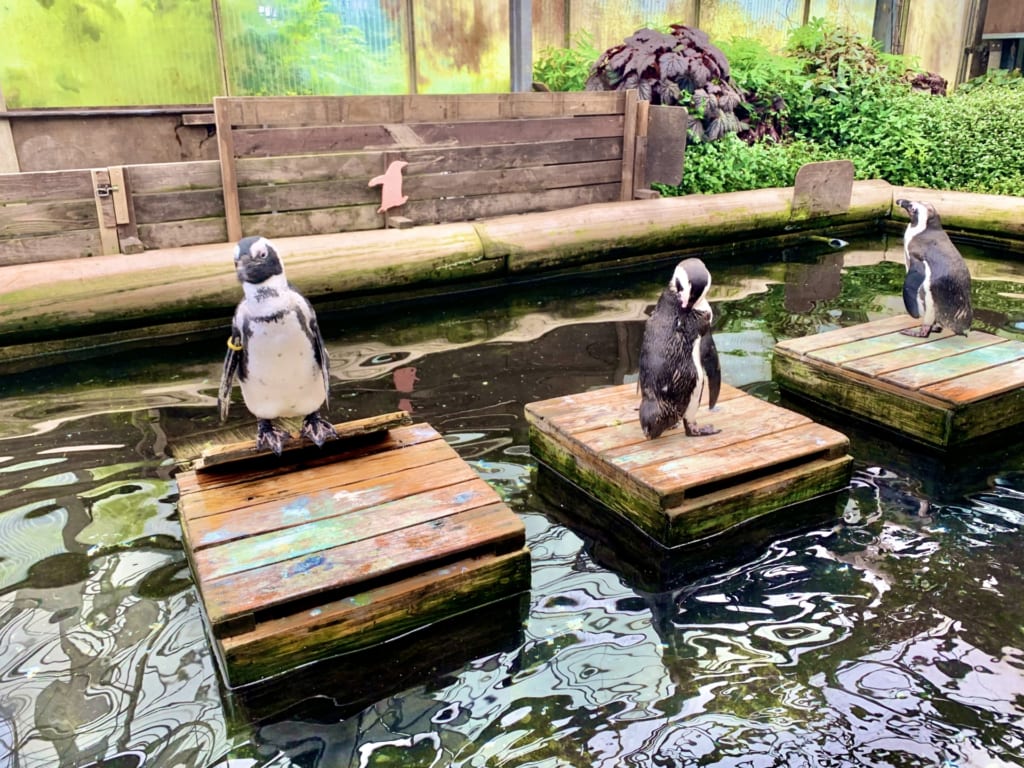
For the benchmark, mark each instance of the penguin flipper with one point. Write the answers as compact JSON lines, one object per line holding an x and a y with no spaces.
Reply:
{"x":712,"y":368}
{"x":227,"y":380}
{"x":320,"y":353}
{"x":912,"y":287}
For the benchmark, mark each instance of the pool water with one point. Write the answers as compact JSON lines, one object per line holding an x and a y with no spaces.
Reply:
{"x":889,"y":634}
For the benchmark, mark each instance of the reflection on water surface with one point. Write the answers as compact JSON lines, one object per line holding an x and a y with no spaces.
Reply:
{"x":891,"y":635}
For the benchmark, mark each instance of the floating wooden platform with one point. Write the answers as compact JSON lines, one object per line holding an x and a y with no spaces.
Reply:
{"x":941,"y":391}
{"x":680,"y":489}
{"x":318,"y":553}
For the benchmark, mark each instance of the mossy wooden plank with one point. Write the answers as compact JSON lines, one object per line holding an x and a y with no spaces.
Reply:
{"x":980,"y":385}
{"x":806,"y":344}
{"x":373,"y":616}
{"x":979,"y":418}
{"x":491,"y":529}
{"x":676,"y":479}
{"x":606,"y":407}
{"x":378,"y":493}
{"x":990,"y":359}
{"x":245,"y":451}
{"x":911,"y":355}
{"x":236,"y":541}
{"x":921,"y":416}
{"x":270,"y":490}
{"x":638,"y":503}
{"x":231,"y":473}
{"x":726,"y":508}
{"x":740,"y":419}
{"x":37,"y":186}
{"x":874,"y":346}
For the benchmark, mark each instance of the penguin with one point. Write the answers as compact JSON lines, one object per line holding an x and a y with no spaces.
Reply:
{"x":275,"y":350}
{"x":678,"y":357}
{"x":937,"y":288}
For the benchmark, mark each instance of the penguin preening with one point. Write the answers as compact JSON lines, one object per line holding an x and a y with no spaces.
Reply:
{"x":275,"y":350}
{"x":678,"y":357}
{"x":937,"y":288}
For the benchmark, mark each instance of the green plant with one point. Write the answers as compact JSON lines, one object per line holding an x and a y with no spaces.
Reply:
{"x":567,"y":69}
{"x":681,"y":67}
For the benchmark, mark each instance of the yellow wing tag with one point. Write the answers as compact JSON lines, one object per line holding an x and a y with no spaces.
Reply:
{"x":235,"y":346}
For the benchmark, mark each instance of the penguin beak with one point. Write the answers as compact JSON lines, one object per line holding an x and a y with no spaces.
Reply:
{"x":904,"y":204}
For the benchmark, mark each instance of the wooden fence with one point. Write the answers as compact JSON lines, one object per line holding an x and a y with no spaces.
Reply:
{"x":302,"y":165}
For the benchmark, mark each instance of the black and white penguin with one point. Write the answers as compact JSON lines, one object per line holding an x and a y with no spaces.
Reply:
{"x":276,"y":351}
{"x":937,"y":288}
{"x":678,"y":356}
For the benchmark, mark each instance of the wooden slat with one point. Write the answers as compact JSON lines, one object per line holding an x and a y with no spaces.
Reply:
{"x":481,"y":206}
{"x":243,"y":452}
{"x":70,"y":245}
{"x":957,"y":365}
{"x":388,"y":496}
{"x":320,"y":110}
{"x":740,"y":419}
{"x":335,"y":569}
{"x":817,"y":341}
{"x":375,"y":615}
{"x":220,"y":474}
{"x":309,"y":168}
{"x":506,"y":180}
{"x":330,"y":523}
{"x":685,"y":477}
{"x":173,"y":177}
{"x":341,"y":138}
{"x":269,"y":489}
{"x":910,"y":355}
{"x":628,"y":144}
{"x":178,"y":206}
{"x":313,"y":195}
{"x":106,"y":220}
{"x":320,"y":221}
{"x":229,"y":180}
{"x":856,"y":350}
{"x":174,"y":234}
{"x":981,"y":385}
{"x":41,"y":186}
{"x":47,"y":218}
{"x":8,"y":152}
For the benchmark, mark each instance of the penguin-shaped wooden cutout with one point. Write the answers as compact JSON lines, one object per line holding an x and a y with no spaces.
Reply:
{"x":275,"y":350}
{"x":678,"y":358}
{"x":937,"y":288}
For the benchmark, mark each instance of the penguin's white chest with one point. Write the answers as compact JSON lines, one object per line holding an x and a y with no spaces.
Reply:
{"x":283,"y":377}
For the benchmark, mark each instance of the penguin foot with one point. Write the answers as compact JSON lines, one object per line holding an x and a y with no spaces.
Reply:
{"x":694,"y":431}
{"x":270,"y":438}
{"x":920,"y":332}
{"x":317,"y":429}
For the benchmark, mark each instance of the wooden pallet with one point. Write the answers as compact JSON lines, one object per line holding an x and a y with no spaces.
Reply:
{"x":320,"y":553}
{"x":680,"y":489}
{"x":941,"y":391}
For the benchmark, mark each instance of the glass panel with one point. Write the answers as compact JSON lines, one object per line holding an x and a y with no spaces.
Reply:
{"x":462,"y":46}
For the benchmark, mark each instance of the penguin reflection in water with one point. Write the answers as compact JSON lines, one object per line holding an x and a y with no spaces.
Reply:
{"x":937,"y":288}
{"x":276,"y":351}
{"x":678,"y":357}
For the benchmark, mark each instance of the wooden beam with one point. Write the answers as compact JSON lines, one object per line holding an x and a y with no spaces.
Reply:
{"x":228,"y":173}
{"x":106,"y":218}
{"x":628,"y":144}
{"x":8,"y":154}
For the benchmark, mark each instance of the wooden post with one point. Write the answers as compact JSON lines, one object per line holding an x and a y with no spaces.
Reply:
{"x":628,"y":144}
{"x":124,"y":211}
{"x":8,"y":154}
{"x":228,"y":174}
{"x":106,"y":219}
{"x":640,"y":186}
{"x":222,"y":61}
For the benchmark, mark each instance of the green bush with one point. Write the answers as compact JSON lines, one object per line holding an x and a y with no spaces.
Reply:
{"x":566,"y":69}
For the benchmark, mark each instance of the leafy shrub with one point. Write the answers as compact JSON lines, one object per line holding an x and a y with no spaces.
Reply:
{"x":566,"y":69}
{"x":772,"y":85}
{"x":731,"y":165}
{"x":681,"y":67}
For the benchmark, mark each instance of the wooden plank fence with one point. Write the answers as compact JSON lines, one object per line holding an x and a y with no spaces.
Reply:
{"x":301,"y":165}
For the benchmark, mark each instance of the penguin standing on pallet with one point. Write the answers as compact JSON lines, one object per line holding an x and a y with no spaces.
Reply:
{"x":276,"y":351}
{"x":937,"y":288}
{"x":678,"y":356}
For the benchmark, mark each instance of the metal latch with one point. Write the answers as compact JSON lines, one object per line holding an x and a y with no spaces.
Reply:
{"x":105,"y":190}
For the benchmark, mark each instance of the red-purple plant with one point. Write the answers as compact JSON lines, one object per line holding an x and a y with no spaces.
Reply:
{"x":682,"y":67}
